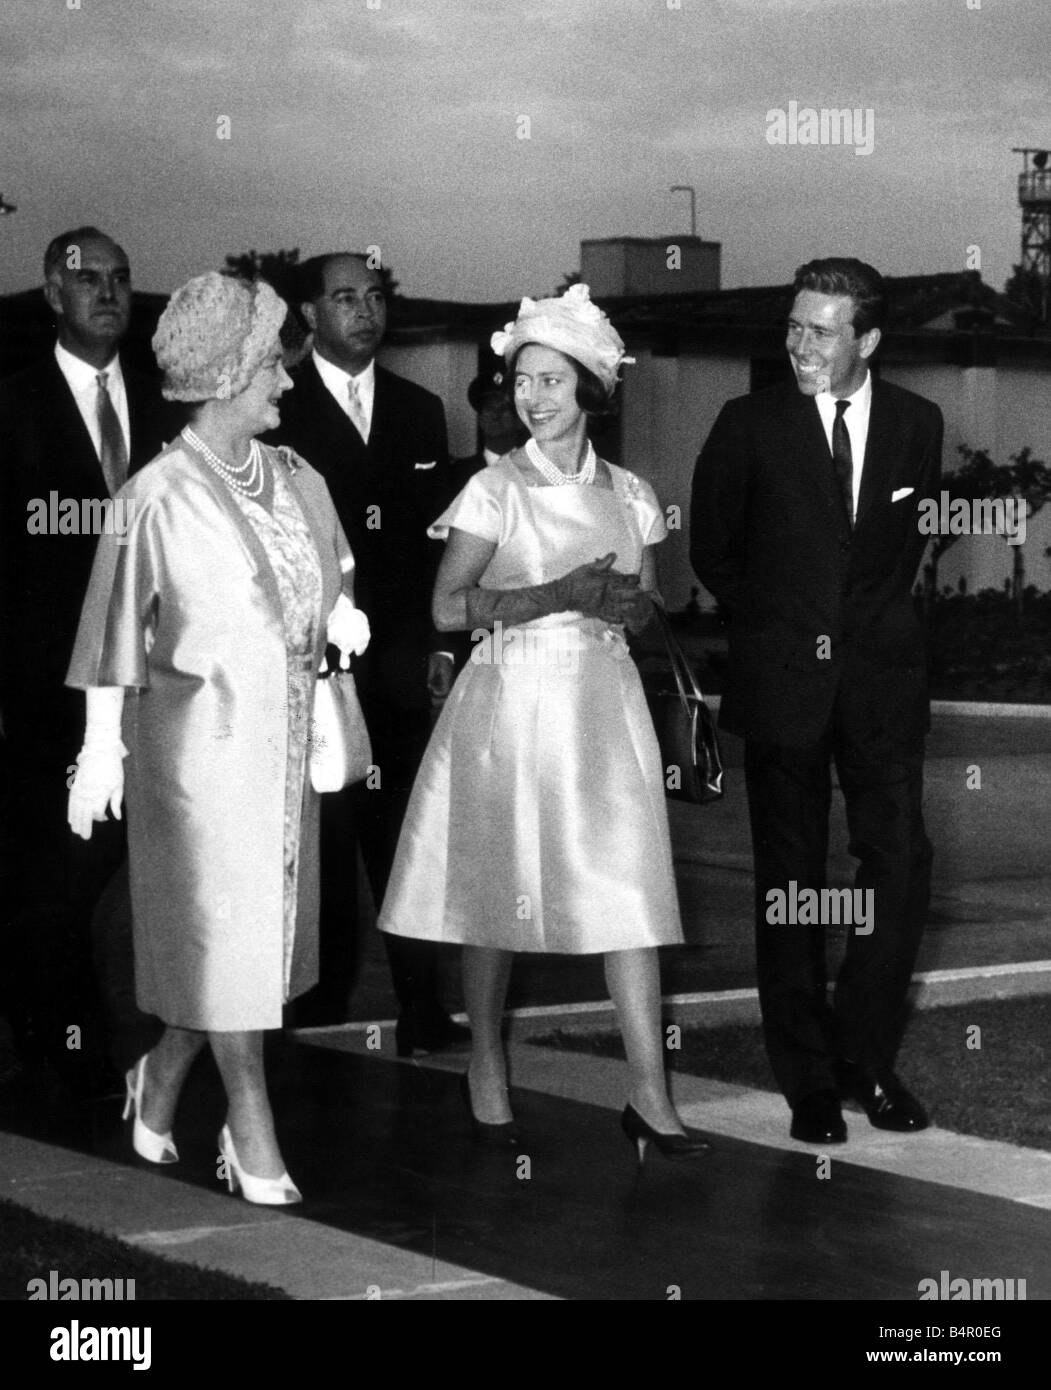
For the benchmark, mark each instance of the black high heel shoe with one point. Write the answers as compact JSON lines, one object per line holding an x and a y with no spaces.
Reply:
{"x":670,"y":1145}
{"x":501,"y":1136}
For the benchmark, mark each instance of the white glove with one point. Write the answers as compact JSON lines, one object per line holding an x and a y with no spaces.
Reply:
{"x":99,"y":780}
{"x":98,"y":784}
{"x":348,"y":629}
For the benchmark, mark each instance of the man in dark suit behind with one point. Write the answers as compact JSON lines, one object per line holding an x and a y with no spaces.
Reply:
{"x":380,"y":442}
{"x":804,"y":527}
{"x":71,"y":429}
{"x":501,"y":431}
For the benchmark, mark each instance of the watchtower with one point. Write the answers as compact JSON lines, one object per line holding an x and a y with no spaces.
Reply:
{"x":1034,"y":198}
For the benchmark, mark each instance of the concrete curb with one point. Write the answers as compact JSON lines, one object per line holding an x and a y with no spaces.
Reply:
{"x":978,"y":709}
{"x":713,"y":1009}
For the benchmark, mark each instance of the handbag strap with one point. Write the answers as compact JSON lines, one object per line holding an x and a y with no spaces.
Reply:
{"x":681,"y":668}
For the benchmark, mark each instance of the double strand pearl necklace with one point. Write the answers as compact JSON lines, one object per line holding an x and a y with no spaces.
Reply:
{"x":553,"y":473}
{"x":246,"y":478}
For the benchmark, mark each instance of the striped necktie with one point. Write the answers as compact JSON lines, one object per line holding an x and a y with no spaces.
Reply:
{"x":113,"y":452}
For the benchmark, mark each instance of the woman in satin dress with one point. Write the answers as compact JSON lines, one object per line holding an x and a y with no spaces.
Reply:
{"x":200,"y":641}
{"x":537,"y":820}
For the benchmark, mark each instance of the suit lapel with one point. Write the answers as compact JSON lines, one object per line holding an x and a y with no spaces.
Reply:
{"x":75,"y":454}
{"x":143,"y":423}
{"x":807,"y":449}
{"x":330,"y":420}
{"x":383,"y":409}
{"x":881,"y":451}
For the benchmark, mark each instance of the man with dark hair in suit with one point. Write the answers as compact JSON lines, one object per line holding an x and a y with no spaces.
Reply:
{"x":804,"y":527}
{"x":71,"y":429}
{"x":380,"y":442}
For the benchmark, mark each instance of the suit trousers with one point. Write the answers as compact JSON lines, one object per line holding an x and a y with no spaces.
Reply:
{"x":789,"y":800}
{"x":56,"y":883}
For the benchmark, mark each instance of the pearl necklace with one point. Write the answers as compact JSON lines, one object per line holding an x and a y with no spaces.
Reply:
{"x":246,"y":478}
{"x":553,"y":473}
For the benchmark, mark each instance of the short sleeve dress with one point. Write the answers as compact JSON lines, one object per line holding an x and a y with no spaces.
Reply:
{"x":537,"y":821}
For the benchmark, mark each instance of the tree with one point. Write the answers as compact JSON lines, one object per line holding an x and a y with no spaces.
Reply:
{"x":977,"y":476}
{"x":280,"y":268}
{"x":1026,"y":478}
{"x":1029,"y":291}
{"x":277,"y":268}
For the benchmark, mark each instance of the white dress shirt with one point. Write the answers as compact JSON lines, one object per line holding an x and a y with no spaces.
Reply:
{"x":81,"y":378}
{"x":856,"y":419}
{"x":335,"y":379}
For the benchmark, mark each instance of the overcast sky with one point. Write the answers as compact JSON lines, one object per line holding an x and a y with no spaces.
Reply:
{"x":396,"y":123}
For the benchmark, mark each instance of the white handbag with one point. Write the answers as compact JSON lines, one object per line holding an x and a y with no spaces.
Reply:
{"x":340,"y":751}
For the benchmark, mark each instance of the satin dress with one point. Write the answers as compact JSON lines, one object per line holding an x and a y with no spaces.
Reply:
{"x":537,"y":821}
{"x":212,"y":615}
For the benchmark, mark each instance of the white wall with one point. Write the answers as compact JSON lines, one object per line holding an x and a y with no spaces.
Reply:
{"x":1001,"y":410}
{"x":668,"y":406}
{"x":447,"y":369}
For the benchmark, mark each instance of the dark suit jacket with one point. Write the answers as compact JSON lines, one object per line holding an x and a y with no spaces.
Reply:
{"x":386,"y":493}
{"x":771,"y":540}
{"x":45,"y":447}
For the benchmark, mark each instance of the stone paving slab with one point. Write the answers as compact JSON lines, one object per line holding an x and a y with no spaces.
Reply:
{"x":158,"y":1213}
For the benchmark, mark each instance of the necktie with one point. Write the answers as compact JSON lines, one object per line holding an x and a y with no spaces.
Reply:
{"x":357,"y":410}
{"x":113,"y":453}
{"x":843,"y":459}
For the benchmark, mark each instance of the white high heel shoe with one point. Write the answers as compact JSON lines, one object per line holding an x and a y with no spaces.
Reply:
{"x":264,"y":1192}
{"x":157,"y":1148}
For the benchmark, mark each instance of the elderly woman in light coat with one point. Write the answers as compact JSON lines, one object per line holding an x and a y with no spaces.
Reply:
{"x":200,"y":641}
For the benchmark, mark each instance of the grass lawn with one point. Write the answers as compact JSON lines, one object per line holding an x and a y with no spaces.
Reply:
{"x":32,"y":1245}
{"x":1000,"y":1089}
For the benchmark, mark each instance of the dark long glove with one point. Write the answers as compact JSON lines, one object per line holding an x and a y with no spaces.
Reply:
{"x":636,"y":610}
{"x":593,"y":589}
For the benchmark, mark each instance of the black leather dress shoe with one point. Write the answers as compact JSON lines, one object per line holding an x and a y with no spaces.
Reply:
{"x":817,"y":1119}
{"x":884,"y":1100}
{"x":428,"y":1032}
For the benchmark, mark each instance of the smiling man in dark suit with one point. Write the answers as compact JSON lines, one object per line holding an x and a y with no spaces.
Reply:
{"x":74,"y":425}
{"x":804,"y":527}
{"x":380,"y":442}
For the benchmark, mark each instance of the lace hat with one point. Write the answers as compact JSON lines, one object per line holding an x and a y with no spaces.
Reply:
{"x":215,"y":333}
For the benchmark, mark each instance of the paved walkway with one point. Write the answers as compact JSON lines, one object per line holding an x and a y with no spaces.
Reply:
{"x":401,"y":1204}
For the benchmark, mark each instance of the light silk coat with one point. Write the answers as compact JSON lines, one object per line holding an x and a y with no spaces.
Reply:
{"x":185,"y":613}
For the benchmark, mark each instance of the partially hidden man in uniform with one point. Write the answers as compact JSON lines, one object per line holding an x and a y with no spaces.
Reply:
{"x":380,"y":442}
{"x":804,"y":527}
{"x":72,"y":428}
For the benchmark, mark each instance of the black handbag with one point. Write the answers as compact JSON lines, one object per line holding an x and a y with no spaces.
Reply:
{"x":685,"y":729}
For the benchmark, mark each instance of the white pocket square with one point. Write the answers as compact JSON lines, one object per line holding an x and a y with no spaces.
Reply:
{"x":434,"y":463}
{"x":895,"y":496}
